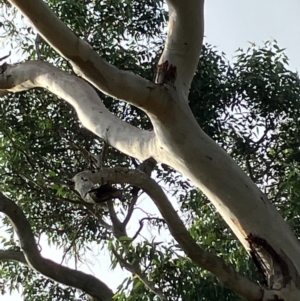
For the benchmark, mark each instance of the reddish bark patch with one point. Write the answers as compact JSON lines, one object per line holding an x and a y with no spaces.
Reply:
{"x":166,"y":73}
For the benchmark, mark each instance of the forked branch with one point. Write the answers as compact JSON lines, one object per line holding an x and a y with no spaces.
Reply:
{"x":209,"y":261}
{"x":86,"y":62}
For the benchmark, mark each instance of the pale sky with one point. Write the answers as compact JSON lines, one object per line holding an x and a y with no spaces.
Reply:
{"x":230,"y":24}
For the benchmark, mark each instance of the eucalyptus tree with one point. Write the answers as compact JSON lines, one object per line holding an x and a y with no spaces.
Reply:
{"x":151,"y":121}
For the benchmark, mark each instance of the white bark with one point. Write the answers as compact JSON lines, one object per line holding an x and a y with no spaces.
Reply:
{"x":177,"y":139}
{"x":186,"y":148}
{"x":91,"y":111}
{"x":123,"y":85}
{"x":184,"y":42}
{"x":224,"y":272}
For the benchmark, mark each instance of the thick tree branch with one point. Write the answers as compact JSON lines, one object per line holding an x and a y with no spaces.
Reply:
{"x":91,"y":111}
{"x":14,"y":255}
{"x":87,"y":283}
{"x":86,"y":62}
{"x":183,"y":44}
{"x":242,"y":205}
{"x":224,"y":272}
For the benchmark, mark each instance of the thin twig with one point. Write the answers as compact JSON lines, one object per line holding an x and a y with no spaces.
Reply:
{"x":103,"y":154}
{"x":130,"y":210}
{"x":72,"y":242}
{"x":135,"y":269}
{"x":142,"y":224}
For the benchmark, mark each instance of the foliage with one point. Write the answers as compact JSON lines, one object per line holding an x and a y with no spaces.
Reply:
{"x":249,"y":106}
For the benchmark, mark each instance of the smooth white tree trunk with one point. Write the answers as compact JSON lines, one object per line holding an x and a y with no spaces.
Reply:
{"x":177,"y":139}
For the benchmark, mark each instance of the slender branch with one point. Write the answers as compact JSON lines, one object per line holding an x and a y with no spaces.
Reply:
{"x":103,"y":155}
{"x":98,"y":214}
{"x":86,"y":62}
{"x":86,"y":154}
{"x":130,"y":210}
{"x":87,"y":283}
{"x":5,"y":57}
{"x":73,"y":242}
{"x":119,"y":229}
{"x":147,"y":167}
{"x":209,"y":261}
{"x":27,"y":158}
{"x":91,"y":111}
{"x":142,"y":225}
{"x":135,"y":269}
{"x":115,"y":220}
{"x":91,"y":208}
{"x":67,"y":200}
{"x":103,"y":223}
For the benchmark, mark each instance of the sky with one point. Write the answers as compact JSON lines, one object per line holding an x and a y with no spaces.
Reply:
{"x":229,"y":25}
{"x":232,"y":24}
